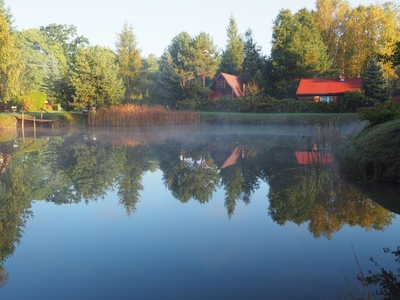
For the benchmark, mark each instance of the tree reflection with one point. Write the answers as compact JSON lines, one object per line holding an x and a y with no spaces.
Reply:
{"x":73,"y":169}
{"x":16,"y":194}
{"x":317,"y":194}
{"x":189,"y":172}
{"x":135,"y":163}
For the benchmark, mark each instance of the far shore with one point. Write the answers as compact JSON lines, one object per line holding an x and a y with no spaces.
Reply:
{"x":8,"y":121}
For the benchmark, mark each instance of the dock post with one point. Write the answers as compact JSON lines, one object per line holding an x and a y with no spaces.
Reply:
{"x":34,"y":128}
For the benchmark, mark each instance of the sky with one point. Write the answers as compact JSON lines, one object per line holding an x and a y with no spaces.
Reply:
{"x":156,"y":22}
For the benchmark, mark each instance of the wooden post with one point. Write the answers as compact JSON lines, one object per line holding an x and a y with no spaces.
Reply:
{"x":34,"y":128}
{"x":22,"y":121}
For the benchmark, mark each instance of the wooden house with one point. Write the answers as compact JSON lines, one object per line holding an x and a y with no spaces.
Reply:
{"x":226,"y":85}
{"x":327,"y":90}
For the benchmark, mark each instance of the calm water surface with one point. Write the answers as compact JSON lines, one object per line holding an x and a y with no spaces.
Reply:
{"x":188,"y":213}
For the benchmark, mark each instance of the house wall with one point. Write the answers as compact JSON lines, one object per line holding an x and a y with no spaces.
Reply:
{"x":227,"y":91}
{"x":336,"y":98}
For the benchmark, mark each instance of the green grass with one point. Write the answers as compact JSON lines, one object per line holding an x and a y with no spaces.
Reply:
{"x":372,"y":155}
{"x":7,"y":121}
{"x":277,"y":118}
{"x":66,"y":119}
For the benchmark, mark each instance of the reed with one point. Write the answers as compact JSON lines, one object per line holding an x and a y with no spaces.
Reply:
{"x":140,"y":115}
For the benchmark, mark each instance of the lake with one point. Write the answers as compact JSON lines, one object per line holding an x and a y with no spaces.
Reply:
{"x":188,"y":212}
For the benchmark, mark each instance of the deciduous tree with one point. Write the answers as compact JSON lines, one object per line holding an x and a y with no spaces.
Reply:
{"x":10,"y":63}
{"x":297,"y":51}
{"x":204,"y":55}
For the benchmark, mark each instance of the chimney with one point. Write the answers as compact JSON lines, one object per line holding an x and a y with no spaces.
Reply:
{"x":342,"y":77}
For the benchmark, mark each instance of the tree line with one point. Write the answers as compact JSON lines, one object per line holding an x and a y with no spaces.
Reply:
{"x":53,"y":64}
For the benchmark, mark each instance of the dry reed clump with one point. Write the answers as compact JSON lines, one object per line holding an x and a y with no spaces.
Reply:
{"x":134,"y":115}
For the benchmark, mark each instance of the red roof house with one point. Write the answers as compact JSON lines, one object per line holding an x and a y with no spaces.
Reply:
{"x":226,"y":85}
{"x":327,"y":90}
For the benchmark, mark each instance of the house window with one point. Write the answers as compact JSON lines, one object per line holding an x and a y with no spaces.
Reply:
{"x":221,"y":84}
{"x":326,"y":98}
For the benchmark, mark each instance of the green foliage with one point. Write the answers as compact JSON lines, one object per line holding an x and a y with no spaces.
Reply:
{"x":10,"y":63}
{"x":387,"y":280}
{"x":129,"y":62}
{"x":353,"y":101}
{"x":193,"y":58}
{"x":262,"y":104}
{"x":195,"y":90}
{"x":297,"y":51}
{"x":95,"y":79}
{"x":253,"y":61}
{"x":372,"y":155}
{"x":380,"y":113}
{"x":38,"y":53}
{"x":232,"y":56}
{"x":167,"y":87}
{"x":204,"y":57}
{"x":66,"y":36}
{"x":375,"y":85}
{"x":34,"y":101}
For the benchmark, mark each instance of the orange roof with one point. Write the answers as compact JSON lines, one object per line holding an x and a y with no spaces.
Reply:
{"x":308,"y":158}
{"x":323,"y":86}
{"x":234,"y":82}
{"x":233,"y":158}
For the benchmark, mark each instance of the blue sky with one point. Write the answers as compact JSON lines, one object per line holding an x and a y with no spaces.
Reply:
{"x":157,"y":22}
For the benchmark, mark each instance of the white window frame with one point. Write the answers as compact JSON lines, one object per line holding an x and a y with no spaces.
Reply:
{"x":326,"y":98}
{"x":221,"y":84}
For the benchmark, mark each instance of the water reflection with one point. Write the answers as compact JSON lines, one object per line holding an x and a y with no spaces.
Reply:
{"x":305,"y":184}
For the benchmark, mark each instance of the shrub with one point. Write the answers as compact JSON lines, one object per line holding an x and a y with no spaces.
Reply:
{"x":380,"y":113}
{"x":387,"y":280}
{"x":34,"y":101}
{"x":354,"y":100}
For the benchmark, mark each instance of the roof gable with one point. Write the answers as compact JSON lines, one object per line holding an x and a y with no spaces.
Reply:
{"x":233,"y":82}
{"x":323,"y":86}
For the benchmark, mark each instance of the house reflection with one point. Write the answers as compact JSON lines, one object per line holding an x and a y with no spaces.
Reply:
{"x":314,"y":157}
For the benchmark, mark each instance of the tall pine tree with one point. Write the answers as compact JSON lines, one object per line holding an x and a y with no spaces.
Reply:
{"x":232,"y":56}
{"x":129,"y":61}
{"x":375,"y":85}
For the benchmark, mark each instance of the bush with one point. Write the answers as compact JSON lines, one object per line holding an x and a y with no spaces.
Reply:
{"x":387,"y":280}
{"x":34,"y":101}
{"x":380,"y":113}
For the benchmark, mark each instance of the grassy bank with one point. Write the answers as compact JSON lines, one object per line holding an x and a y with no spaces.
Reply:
{"x":67,"y":119}
{"x":372,"y":155}
{"x":276,"y":119}
{"x":7,"y":121}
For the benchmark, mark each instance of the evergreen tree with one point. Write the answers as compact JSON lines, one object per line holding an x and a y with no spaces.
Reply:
{"x":129,"y":61}
{"x":253,"y":61}
{"x":167,"y":88}
{"x":375,"y":85}
{"x":180,"y":53}
{"x":232,"y":56}
{"x":95,"y":78}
